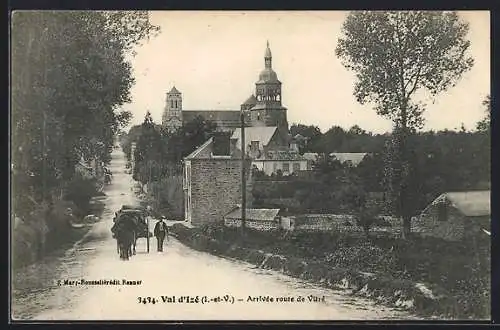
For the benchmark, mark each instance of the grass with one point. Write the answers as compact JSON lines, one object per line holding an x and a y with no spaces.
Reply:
{"x":457,"y":272}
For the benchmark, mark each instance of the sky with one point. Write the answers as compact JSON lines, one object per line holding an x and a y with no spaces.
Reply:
{"x":214,"y":59}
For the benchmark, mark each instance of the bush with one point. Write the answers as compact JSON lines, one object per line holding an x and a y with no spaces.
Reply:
{"x":364,"y":257}
{"x":80,"y":190}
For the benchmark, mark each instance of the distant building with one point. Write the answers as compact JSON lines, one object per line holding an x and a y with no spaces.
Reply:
{"x":353,"y":158}
{"x":311,"y":158}
{"x":264,"y":108}
{"x":270,"y":150}
{"x":133,"y":146}
{"x":212,"y":173}
{"x":259,"y":219}
{"x":212,"y":181}
{"x":455,"y":216}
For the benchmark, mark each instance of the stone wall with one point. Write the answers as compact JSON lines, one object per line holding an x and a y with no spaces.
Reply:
{"x":257,"y":225}
{"x":216,"y":189}
{"x":420,"y":298}
{"x":324,"y":222}
{"x":318,"y":223}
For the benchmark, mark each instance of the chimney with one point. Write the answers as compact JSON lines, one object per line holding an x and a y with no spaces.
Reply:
{"x":221,"y":142}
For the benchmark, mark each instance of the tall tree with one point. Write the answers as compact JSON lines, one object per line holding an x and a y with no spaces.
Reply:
{"x":148,"y":151}
{"x":70,"y":76}
{"x":484,"y":125}
{"x":395,"y":54}
{"x":332,"y":140}
{"x":185,"y":140}
{"x":311,"y":133}
{"x":484,"y":129}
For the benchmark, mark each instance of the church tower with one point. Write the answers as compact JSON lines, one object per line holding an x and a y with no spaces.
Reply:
{"x":172,"y":115}
{"x":269,"y":110}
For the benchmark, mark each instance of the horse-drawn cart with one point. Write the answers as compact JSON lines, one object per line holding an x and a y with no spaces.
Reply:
{"x":136,"y":218}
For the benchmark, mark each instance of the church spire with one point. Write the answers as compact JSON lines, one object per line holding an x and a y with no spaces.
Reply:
{"x":268,"y":57}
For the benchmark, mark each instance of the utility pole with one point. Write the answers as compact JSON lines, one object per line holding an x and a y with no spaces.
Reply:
{"x":243,"y":176}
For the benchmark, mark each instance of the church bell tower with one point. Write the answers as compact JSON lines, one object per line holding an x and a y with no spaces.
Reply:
{"x":269,"y":109}
{"x":172,"y":114}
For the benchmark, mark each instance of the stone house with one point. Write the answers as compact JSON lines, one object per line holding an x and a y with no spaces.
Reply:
{"x":271,"y":150}
{"x":212,"y":181}
{"x":456,"y":216}
{"x":259,"y":219}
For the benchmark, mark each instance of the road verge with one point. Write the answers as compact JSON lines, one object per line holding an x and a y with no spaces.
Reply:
{"x":423,"y":299}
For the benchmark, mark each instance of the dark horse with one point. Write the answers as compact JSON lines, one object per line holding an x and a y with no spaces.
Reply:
{"x":124,"y":231}
{"x":140,"y":228}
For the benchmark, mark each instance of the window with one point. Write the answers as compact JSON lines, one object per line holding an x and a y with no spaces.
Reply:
{"x":296,"y":167}
{"x":286,"y":167}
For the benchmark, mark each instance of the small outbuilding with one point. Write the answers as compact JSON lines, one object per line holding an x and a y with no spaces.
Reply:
{"x":259,"y":219}
{"x":455,"y":216}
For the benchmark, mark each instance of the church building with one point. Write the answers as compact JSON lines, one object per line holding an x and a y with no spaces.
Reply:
{"x":212,"y":173}
{"x":264,"y":108}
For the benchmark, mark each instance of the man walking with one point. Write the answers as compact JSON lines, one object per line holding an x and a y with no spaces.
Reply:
{"x":160,"y":231}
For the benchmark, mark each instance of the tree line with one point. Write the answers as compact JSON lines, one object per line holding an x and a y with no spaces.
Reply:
{"x":394,"y":55}
{"x":159,"y":152}
{"x":71,"y":73}
{"x":442,"y":161}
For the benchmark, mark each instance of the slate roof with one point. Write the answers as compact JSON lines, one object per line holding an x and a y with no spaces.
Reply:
{"x":254,"y":214}
{"x":251,"y":100}
{"x":263,"y":134}
{"x":263,"y":105}
{"x":354,"y":157}
{"x":469,"y":203}
{"x":174,"y":91}
{"x":223,"y":118}
{"x":282,"y":155}
{"x":310,"y":156}
{"x":205,"y":152}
